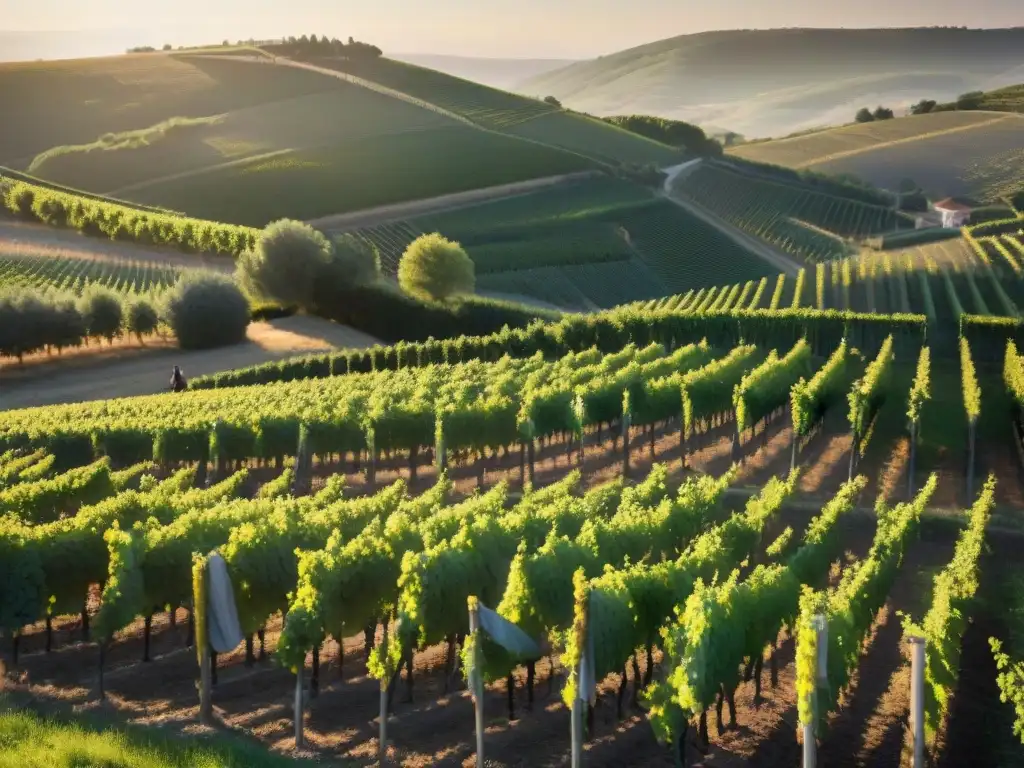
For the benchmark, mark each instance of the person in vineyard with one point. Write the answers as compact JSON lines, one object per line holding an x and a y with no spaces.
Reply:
{"x":178,"y":382}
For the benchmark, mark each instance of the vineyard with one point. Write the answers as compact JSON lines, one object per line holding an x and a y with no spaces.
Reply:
{"x":538,"y":517}
{"x":808,"y":224}
{"x":597,"y":243}
{"x":942,"y":281}
{"x":72,"y":275}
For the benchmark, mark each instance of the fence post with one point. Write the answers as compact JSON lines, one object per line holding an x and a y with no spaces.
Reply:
{"x":478,"y":682}
{"x":917,"y":646}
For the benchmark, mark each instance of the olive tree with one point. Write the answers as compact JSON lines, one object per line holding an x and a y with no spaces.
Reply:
{"x":141,"y":318}
{"x":101,"y":309}
{"x":206,"y":309}
{"x":434,"y":267}
{"x":285,"y":264}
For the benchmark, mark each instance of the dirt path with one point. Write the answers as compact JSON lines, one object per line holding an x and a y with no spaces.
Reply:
{"x":741,"y":238}
{"x":144,"y":371}
{"x":372,"y":216}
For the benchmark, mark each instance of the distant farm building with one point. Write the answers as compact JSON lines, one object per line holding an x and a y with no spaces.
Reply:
{"x":952,"y":213}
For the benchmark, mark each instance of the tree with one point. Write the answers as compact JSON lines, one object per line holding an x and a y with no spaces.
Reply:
{"x":67,"y":325}
{"x":883,"y":113}
{"x":168,"y":47}
{"x":864,"y":116}
{"x":923,"y":107}
{"x":141,"y":318}
{"x":971,"y":100}
{"x":434,"y":267}
{"x":552,"y":101}
{"x":285,"y":264}
{"x":205,"y":310}
{"x":356,"y":261}
{"x":101,"y":309}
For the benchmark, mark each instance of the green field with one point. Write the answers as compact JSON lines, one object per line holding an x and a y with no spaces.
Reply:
{"x":509,"y":113}
{"x":245,"y":141}
{"x":806,"y":150}
{"x":486,"y":106}
{"x":124,"y":164}
{"x":363,"y":173}
{"x":78,"y":101}
{"x":596,"y":139}
{"x":976,"y":154}
{"x":808,"y":224}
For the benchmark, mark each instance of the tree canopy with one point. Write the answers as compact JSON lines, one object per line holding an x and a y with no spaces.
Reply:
{"x":434,"y":267}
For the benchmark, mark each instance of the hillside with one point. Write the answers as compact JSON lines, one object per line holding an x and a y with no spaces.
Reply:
{"x":582,"y":245}
{"x":220,"y":137}
{"x":497,"y":73}
{"x":507,"y":113}
{"x":974,"y":153}
{"x":774,"y":82}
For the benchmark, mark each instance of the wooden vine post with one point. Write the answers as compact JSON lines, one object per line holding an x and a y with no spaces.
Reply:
{"x":810,"y":746}
{"x":477,"y":679}
{"x":917,"y":646}
{"x":199,"y":601}
{"x":626,"y":423}
{"x":382,"y":739}
{"x":912,"y":465}
{"x":584,"y":683}
{"x":299,"y":683}
{"x":578,"y":417}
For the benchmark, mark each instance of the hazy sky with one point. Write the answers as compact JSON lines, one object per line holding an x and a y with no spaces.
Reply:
{"x":557,"y":28}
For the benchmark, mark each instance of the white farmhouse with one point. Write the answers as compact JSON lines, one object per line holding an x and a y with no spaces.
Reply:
{"x":954,"y":214}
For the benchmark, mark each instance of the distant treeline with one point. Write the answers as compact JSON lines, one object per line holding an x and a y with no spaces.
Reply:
{"x":675,"y":133}
{"x":324,"y":46}
{"x":1009,"y":99}
{"x":287,"y":46}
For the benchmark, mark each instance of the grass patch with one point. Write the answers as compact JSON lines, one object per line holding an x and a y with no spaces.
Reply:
{"x":31,"y":740}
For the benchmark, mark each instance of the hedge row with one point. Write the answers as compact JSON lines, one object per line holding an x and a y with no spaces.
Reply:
{"x":100,"y":218}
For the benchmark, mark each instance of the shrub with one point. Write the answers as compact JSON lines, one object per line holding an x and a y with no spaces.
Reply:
{"x":864,"y":115}
{"x":67,"y":326}
{"x":356,"y":261}
{"x":102,"y":312}
{"x":284,"y":265}
{"x":141,"y":318}
{"x":434,"y":267}
{"x":205,"y":310}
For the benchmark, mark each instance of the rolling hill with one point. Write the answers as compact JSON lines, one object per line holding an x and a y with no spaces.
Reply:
{"x":581,"y":245}
{"x":245,"y":139}
{"x":774,"y":82}
{"x":977,"y":154}
{"x":497,"y":73}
